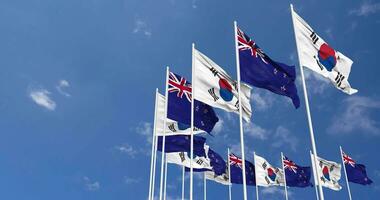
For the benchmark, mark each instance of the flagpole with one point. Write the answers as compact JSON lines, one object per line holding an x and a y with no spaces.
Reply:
{"x":166,"y":176}
{"x":229,"y":174}
{"x":345,"y":173}
{"x":283,"y":169}
{"x":154,"y":166}
{"x":164,"y":134}
{"x":257,"y":187}
{"x":240,"y":113}
{"x":153,"y":142}
{"x":314,"y":177}
{"x":307,"y":109}
{"x":183,"y":182}
{"x":204,"y":186}
{"x":192,"y":122}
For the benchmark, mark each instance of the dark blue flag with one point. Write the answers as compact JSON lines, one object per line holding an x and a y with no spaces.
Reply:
{"x":179,"y":105}
{"x":219,"y":166}
{"x":259,"y":70}
{"x":296,"y":176}
{"x":236,"y":171}
{"x":181,"y":143}
{"x":356,"y":173}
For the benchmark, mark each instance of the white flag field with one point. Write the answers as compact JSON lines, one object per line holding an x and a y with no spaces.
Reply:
{"x":217,"y":89}
{"x":266,"y":174}
{"x":329,"y":173}
{"x":183,"y":159}
{"x":222,"y":179}
{"x":172,"y":127}
{"x":317,"y":55}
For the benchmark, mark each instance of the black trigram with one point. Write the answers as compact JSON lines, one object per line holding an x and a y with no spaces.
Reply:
{"x":264,"y":165}
{"x":339,"y":79}
{"x":237,"y":105}
{"x":199,"y":162}
{"x":267,"y":180}
{"x":182,"y":156}
{"x":214,"y":71}
{"x":212,"y":93}
{"x":172,"y":128}
{"x":314,"y":37}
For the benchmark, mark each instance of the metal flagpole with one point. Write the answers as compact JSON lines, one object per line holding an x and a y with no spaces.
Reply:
{"x":314,"y":177}
{"x":153,"y":142}
{"x":345,"y":173}
{"x":166,"y":176}
{"x":192,"y":122}
{"x":283,"y":169}
{"x":240,"y":113}
{"x":229,"y":174}
{"x":164,"y":135}
{"x":307,"y":109}
{"x":204,"y":186}
{"x":154,"y":166}
{"x":183,"y":182}
{"x":257,"y":187}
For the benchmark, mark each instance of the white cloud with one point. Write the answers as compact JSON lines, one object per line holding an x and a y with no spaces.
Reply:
{"x":194,"y":4}
{"x":256,"y":131}
{"x":356,"y":116}
{"x":41,"y":97}
{"x":142,"y":27}
{"x":62,"y":84}
{"x":366,"y":8}
{"x":316,"y":84}
{"x":91,"y":185}
{"x":284,"y":138}
{"x":127,"y":149}
{"x":218,"y":127}
{"x":274,"y":191}
{"x":145,"y":129}
{"x":129,"y":180}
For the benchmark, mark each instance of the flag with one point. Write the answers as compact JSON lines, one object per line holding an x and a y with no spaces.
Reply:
{"x":183,"y":159}
{"x":172,"y":127}
{"x":181,"y":143}
{"x":266,"y":174}
{"x":222,"y":179}
{"x":216,"y":88}
{"x":296,"y":176}
{"x":179,"y":105}
{"x":315,"y":54}
{"x":259,"y":70}
{"x":236,"y":170}
{"x":329,"y":173}
{"x":356,"y":173}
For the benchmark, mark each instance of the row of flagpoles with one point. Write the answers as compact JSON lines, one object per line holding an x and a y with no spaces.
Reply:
{"x":213,"y":87}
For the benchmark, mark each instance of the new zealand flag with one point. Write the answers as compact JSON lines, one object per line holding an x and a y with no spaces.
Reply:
{"x":236,"y":171}
{"x":356,"y":173}
{"x":179,"y":105}
{"x":219,"y":166}
{"x":181,"y":143}
{"x":259,"y":70}
{"x":296,"y":176}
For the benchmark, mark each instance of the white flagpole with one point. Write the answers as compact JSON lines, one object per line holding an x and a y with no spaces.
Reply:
{"x":164,"y":135}
{"x":314,"y":148}
{"x":183,"y":182}
{"x":154,"y":166}
{"x":283,"y":169}
{"x":257,"y":187}
{"x":204,"y":186}
{"x":229,"y":174}
{"x":192,"y":122}
{"x":153,"y":142}
{"x":314,"y":177}
{"x":240,"y":113}
{"x":345,"y":173}
{"x":166,"y":176}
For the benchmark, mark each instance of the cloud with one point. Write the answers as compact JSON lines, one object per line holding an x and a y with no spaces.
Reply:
{"x":127,"y":149}
{"x":194,"y":4}
{"x":262,"y":100}
{"x":355,"y":115}
{"x":329,"y":33}
{"x":91,"y":185}
{"x":218,"y":127}
{"x":41,"y":97}
{"x":129,"y":180}
{"x":145,"y":129}
{"x":366,"y":8}
{"x":256,"y":131}
{"x":141,"y":27}
{"x":316,"y":84}
{"x":284,"y":138}
{"x":61,"y":86}
{"x":274,"y":190}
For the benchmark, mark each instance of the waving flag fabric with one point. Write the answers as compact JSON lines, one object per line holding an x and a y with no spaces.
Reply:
{"x":181,"y":143}
{"x":216,"y":88}
{"x":317,"y":55}
{"x":266,"y":174}
{"x":329,"y":173}
{"x":179,"y":105}
{"x":356,"y":173}
{"x":259,"y":70}
{"x":172,"y":127}
{"x":183,"y":159}
{"x":236,"y":169}
{"x":296,"y":176}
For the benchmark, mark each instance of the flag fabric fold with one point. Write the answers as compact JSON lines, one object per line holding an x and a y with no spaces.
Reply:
{"x":296,"y":176}
{"x":317,"y":55}
{"x":266,"y":174}
{"x":217,"y":89}
{"x":356,"y":173}
{"x":181,"y":143}
{"x":183,"y":159}
{"x":236,"y":170}
{"x":329,"y":173}
{"x":259,"y":70}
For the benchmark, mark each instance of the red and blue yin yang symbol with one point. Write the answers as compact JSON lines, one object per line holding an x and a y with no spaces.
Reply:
{"x":326,"y":173}
{"x":271,"y":174}
{"x":326,"y":56}
{"x":225,"y":90}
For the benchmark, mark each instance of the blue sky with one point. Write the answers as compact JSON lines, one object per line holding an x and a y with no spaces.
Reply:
{"x":78,"y":78}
